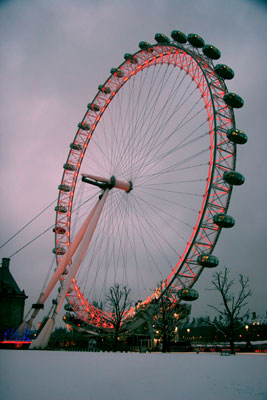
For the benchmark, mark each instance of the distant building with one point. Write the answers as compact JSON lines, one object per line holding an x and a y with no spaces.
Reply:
{"x":12,"y":299}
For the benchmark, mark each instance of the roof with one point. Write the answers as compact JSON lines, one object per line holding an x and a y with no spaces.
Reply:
{"x":7,"y":282}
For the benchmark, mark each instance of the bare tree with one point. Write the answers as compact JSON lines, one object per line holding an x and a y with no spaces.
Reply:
{"x":169,"y":318}
{"x":231,"y":313}
{"x":118,"y":300}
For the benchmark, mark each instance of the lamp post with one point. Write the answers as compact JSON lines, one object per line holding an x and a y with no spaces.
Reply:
{"x":176,"y":334}
{"x":248,"y":343}
{"x":247,"y":327}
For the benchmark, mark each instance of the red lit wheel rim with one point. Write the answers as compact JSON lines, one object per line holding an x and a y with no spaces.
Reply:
{"x":160,"y":122}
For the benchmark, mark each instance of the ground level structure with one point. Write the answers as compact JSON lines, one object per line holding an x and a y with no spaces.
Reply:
{"x":97,"y":376}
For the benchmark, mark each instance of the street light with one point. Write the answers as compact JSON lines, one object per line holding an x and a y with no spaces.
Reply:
{"x":188,"y":331}
{"x":247,"y":327}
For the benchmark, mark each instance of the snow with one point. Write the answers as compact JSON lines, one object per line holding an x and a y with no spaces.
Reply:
{"x":59,"y":375}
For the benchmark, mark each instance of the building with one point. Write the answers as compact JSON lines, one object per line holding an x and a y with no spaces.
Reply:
{"x":12,"y":300}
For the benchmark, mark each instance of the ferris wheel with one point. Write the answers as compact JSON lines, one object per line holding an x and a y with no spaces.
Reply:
{"x":153,"y":163}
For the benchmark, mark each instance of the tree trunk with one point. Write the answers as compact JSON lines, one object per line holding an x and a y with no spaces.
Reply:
{"x":116,"y":335}
{"x":164,"y":343}
{"x":231,"y":337}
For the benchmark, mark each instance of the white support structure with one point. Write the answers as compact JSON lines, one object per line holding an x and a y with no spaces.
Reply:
{"x":60,"y":269}
{"x":116,"y":183}
{"x":43,"y":338}
{"x":77,"y":249}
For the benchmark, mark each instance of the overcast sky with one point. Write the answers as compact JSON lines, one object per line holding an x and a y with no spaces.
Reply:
{"x":53,"y":56}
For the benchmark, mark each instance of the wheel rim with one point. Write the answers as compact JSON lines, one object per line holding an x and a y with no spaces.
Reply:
{"x":114,"y":108}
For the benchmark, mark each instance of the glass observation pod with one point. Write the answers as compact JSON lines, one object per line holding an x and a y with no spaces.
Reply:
{"x":64,"y":188}
{"x":179,"y":37}
{"x":233,"y":100}
{"x":188,"y":294}
{"x":145,"y":46}
{"x":208,"y":260}
{"x":59,"y":251}
{"x":117,"y":72}
{"x":211,"y":52}
{"x":195,"y":40}
{"x":61,"y":209}
{"x":234,"y":178}
{"x":83,"y":126}
{"x":68,"y":307}
{"x":76,"y":146}
{"x":162,"y":39}
{"x":224,"y":71}
{"x":130,"y":57}
{"x":93,"y":107}
{"x":223,"y":220}
{"x":104,"y":89}
{"x":237,"y":136}
{"x":69,"y":167}
{"x":59,"y":230}
{"x":38,"y":306}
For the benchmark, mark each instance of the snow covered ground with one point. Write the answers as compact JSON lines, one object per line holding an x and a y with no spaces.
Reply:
{"x":27,"y":375}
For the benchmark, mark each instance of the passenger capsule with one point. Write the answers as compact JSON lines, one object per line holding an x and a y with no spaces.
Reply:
{"x":61,"y":209}
{"x":237,"y":136}
{"x":83,"y":126}
{"x":234,"y":178}
{"x":223,"y":71}
{"x":195,"y":40}
{"x":59,"y":251}
{"x":233,"y":100}
{"x":38,"y":306}
{"x":188,"y":294}
{"x":59,"y":230}
{"x":93,"y":107}
{"x":179,"y":37}
{"x":68,"y":307}
{"x":64,"y":188}
{"x":223,"y":220}
{"x":130,"y":57}
{"x":211,"y":52}
{"x":104,"y":89}
{"x":162,"y":39}
{"x":208,"y":261}
{"x":75,"y":146}
{"x":69,"y":167}
{"x":117,"y":72}
{"x":145,"y":46}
